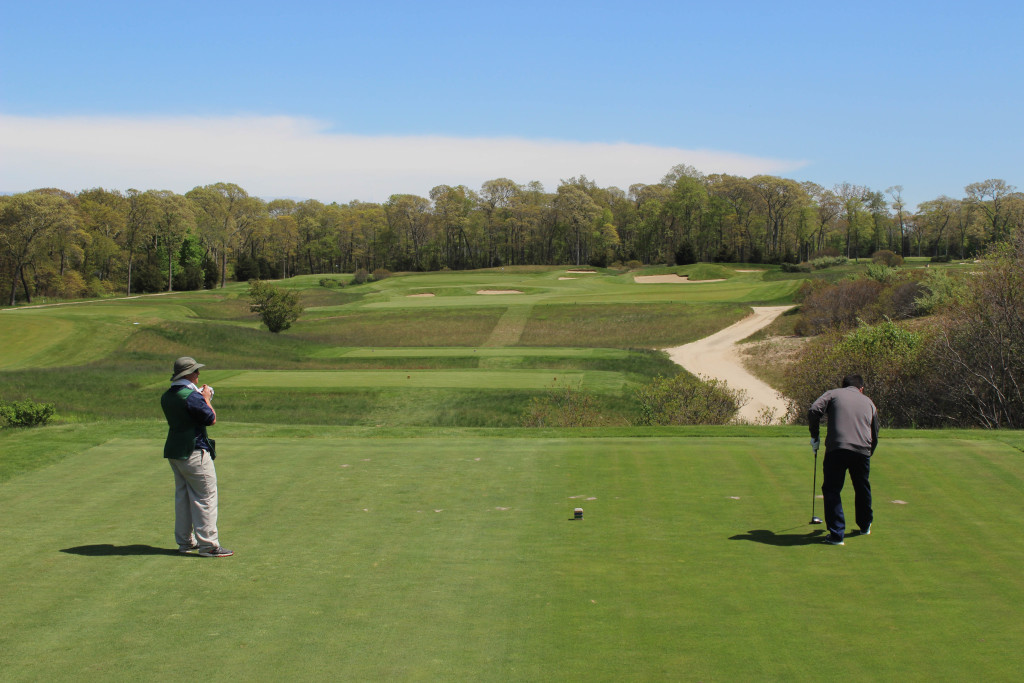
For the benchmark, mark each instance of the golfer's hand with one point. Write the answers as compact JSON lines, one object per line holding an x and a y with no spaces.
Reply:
{"x":814,"y":445}
{"x":207,"y":392}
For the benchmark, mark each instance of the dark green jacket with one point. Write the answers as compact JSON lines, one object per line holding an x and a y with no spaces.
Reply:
{"x":186,"y":424}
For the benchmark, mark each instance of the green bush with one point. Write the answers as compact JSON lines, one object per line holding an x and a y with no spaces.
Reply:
{"x":278,"y":309}
{"x":687,"y":400}
{"x":880,"y":272}
{"x":381,"y":274}
{"x":795,"y":267}
{"x":828,"y":261}
{"x":26,"y":413}
{"x":939,"y":289}
{"x":887,"y":258}
{"x":893,"y":361}
{"x":360,"y":276}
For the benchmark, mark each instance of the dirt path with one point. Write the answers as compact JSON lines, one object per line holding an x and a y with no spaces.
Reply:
{"x":718,"y":356}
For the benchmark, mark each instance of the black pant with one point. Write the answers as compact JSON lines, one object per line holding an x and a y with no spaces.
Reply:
{"x":834,"y":475}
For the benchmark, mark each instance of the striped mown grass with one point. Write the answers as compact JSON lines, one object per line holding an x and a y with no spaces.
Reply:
{"x":440,"y":555}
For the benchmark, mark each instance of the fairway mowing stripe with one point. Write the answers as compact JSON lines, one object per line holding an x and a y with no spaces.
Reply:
{"x":470,"y":352}
{"x":414,"y":379}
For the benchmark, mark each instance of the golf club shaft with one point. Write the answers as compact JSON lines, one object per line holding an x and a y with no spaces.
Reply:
{"x":814,"y":485}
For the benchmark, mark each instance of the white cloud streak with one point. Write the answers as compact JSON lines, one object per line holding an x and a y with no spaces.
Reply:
{"x":284,"y":156}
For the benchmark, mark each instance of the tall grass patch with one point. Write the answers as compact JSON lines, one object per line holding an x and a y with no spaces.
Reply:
{"x":627,"y":325}
{"x":418,"y":327}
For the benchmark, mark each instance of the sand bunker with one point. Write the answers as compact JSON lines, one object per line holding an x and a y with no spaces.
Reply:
{"x":568,"y":278}
{"x":411,"y":296}
{"x":498,"y":291}
{"x":671,"y":278}
{"x":591,"y":272}
{"x":717,"y":356}
{"x":749,"y":271}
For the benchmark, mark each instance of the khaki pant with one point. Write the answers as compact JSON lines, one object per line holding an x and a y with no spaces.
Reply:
{"x":195,"y":501}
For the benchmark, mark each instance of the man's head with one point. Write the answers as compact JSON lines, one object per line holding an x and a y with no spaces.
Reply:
{"x":185,"y":366}
{"x":853,"y":381}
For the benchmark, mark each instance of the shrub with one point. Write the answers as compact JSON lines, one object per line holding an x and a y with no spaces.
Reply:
{"x":880,"y":272}
{"x":381,"y":274}
{"x":893,"y":362}
{"x":26,"y":413}
{"x":360,"y":276}
{"x":899,"y":301}
{"x":795,"y":267}
{"x":943,"y":258}
{"x":634,"y":264}
{"x":937,"y":290}
{"x":277,"y":309}
{"x":331,"y":282}
{"x":568,"y":408}
{"x":982,"y":342}
{"x":828,"y":261}
{"x":838,"y":306}
{"x":887,"y":258}
{"x":687,"y":400}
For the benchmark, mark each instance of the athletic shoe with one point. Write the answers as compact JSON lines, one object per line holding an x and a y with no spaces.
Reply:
{"x":185,"y":550}
{"x":830,"y":539}
{"x":216,"y":552}
{"x":865,"y":532}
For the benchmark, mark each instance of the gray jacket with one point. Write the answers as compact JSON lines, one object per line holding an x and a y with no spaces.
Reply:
{"x":852,"y":420}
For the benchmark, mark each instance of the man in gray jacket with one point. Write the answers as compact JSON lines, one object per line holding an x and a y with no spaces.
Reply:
{"x":849,"y":443}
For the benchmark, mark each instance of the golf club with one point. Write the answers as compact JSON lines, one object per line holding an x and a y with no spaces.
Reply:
{"x":814,"y":487}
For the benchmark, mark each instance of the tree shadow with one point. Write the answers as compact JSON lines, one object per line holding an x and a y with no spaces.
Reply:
{"x":107,"y":550}
{"x":781,"y":539}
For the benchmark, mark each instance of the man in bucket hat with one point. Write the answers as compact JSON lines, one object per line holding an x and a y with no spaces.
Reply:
{"x":191,"y":453}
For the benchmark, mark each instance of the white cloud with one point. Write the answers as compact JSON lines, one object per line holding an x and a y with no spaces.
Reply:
{"x":295,"y":157}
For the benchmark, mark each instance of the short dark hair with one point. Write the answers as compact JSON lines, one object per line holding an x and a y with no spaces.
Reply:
{"x":853,"y":381}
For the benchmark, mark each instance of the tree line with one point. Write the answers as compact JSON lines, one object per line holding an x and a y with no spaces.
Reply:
{"x":100,"y":241}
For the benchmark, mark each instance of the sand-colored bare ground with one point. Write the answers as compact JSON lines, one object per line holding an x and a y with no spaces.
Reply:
{"x":568,"y":278}
{"x":667,"y":279}
{"x":498,"y":291}
{"x":719,"y":357}
{"x":574,"y":270}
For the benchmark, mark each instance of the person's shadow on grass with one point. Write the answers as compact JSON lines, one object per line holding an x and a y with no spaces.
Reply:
{"x":107,"y":550}
{"x":782,"y":539}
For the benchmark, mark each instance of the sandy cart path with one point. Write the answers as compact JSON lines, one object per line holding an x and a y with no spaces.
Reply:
{"x":718,"y":356}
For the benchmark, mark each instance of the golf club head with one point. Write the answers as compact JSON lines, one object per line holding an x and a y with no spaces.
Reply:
{"x":816,"y":520}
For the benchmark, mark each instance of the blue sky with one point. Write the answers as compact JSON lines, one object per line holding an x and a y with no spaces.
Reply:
{"x":339,"y":101}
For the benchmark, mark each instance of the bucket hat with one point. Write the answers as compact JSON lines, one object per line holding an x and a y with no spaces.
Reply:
{"x":185,"y":366}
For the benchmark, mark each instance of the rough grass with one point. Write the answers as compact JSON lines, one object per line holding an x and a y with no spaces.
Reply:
{"x":627,"y":326}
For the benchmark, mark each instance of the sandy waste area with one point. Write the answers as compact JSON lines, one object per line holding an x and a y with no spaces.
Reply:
{"x":719,"y":357}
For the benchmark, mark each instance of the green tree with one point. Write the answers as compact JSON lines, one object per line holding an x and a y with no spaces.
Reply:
{"x":225,"y":211}
{"x":993,"y":197}
{"x":277,"y":308}
{"x":578,"y":213}
{"x":25,"y":221}
{"x":173,"y":218}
